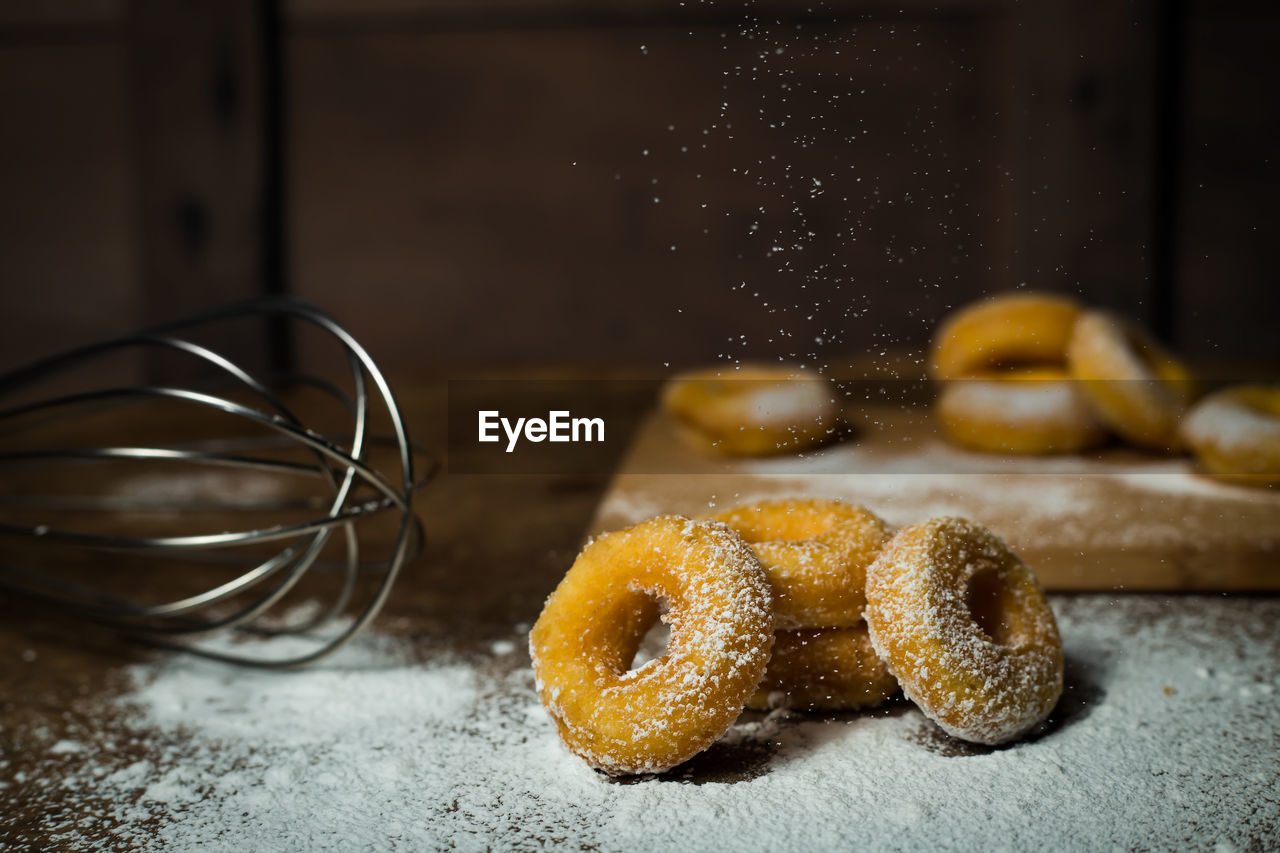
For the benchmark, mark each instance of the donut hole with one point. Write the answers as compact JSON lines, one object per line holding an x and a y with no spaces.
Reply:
{"x":990,"y":601}
{"x":655,"y":640}
{"x":1022,"y":369}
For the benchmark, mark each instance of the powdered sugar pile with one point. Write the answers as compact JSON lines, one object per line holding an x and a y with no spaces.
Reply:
{"x":1164,"y":738}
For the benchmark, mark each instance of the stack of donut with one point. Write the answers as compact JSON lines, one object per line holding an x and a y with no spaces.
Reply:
{"x":802,"y":603}
{"x":1035,"y":373}
{"x":815,"y":554}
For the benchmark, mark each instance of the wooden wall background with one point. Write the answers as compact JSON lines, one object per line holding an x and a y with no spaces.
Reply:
{"x":474,"y":183}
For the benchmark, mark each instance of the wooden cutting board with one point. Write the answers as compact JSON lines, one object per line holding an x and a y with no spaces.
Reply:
{"x":1113,"y":520}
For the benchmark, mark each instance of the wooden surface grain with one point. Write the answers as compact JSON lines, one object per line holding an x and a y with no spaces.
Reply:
{"x":1115,"y":519}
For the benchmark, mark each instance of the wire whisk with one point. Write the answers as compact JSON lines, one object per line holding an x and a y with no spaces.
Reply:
{"x":224,"y":505}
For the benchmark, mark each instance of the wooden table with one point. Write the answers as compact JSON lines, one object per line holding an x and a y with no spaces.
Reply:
{"x":497,"y":544}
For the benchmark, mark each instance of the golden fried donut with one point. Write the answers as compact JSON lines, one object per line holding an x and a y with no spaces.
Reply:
{"x":1133,"y":385}
{"x":1006,"y":330}
{"x":815,"y":554}
{"x":652,"y":718}
{"x":1021,"y":410}
{"x":753,"y":410}
{"x":1235,"y":434}
{"x":831,"y":669}
{"x":964,"y":626}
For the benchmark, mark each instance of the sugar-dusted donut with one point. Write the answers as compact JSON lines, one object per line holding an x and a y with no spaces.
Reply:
{"x":965,"y":628}
{"x":830,"y":669}
{"x":1235,"y":434}
{"x":753,"y":410}
{"x":815,"y":554}
{"x":652,"y":718}
{"x":1007,"y":330}
{"x":1020,"y":410}
{"x":1134,"y":386}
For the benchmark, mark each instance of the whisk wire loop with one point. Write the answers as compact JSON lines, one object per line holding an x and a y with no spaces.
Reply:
{"x":341,"y":462}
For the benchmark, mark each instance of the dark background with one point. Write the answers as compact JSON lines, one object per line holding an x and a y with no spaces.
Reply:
{"x":469,"y":183}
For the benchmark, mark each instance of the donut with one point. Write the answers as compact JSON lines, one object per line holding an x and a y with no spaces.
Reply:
{"x":815,"y":554}
{"x":649,"y":719}
{"x":830,"y":669}
{"x":753,"y":410}
{"x":1235,"y":434}
{"x":1133,"y":385}
{"x":964,"y":626}
{"x":1010,"y":329}
{"x":1021,"y":410}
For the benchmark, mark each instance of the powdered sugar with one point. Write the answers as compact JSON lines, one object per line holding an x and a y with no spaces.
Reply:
{"x":784,"y":404}
{"x":1164,"y":738}
{"x":1241,"y":424}
{"x":1021,"y":403}
{"x":753,"y":409}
